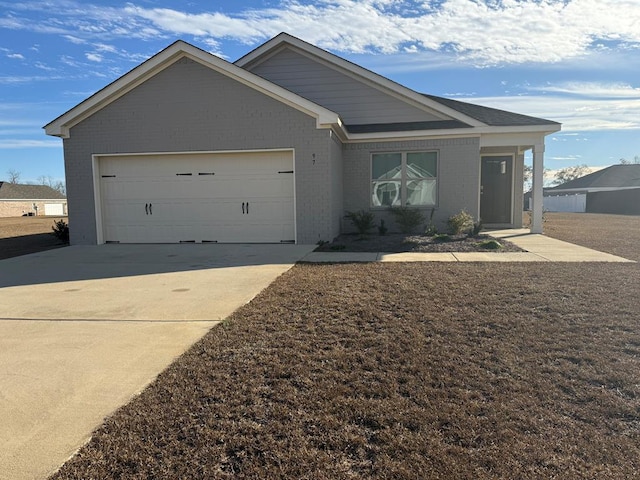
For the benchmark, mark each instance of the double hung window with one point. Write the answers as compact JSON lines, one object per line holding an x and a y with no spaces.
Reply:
{"x":404,"y":179}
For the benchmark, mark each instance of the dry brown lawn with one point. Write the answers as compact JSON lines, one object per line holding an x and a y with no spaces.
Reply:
{"x":23,"y":235}
{"x":403,"y":371}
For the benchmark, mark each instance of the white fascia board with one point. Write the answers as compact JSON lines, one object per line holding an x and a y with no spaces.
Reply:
{"x":60,"y":126}
{"x":509,"y":136}
{"x":413,"y":135}
{"x":489,"y":136}
{"x":355,"y":71}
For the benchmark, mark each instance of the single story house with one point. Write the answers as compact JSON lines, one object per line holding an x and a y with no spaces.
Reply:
{"x":277,"y":146}
{"x":17,"y":200}
{"x":615,"y":189}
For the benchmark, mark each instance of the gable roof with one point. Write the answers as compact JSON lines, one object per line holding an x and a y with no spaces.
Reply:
{"x":615,"y":176}
{"x":458,"y":118}
{"x":60,"y":126}
{"x":16,"y":191}
{"x":492,"y":116}
{"x":464,"y":114}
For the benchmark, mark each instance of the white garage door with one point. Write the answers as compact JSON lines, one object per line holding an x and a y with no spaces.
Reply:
{"x":54,"y":209}
{"x":222,"y":197}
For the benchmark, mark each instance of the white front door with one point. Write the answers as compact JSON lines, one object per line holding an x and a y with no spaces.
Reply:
{"x":223,"y":197}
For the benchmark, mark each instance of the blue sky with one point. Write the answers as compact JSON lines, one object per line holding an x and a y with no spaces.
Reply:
{"x":573,"y":61}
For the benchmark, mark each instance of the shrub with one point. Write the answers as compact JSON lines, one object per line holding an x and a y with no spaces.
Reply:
{"x":362,"y":220}
{"x":408,"y":219}
{"x":431,"y":229}
{"x":490,"y":245}
{"x":382,"y":228}
{"x":441,"y":238}
{"x":61,"y":231}
{"x":460,"y":223}
{"x":475,"y":231}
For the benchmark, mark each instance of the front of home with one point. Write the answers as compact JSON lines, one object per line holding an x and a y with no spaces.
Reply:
{"x":278,"y":146}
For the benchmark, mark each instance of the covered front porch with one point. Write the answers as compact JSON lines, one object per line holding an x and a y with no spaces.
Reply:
{"x":502,"y":179}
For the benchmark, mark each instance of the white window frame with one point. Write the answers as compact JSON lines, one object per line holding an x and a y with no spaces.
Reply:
{"x":404,"y":179}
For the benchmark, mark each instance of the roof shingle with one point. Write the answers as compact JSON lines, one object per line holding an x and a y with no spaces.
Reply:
{"x":16,"y":191}
{"x":491,"y":116}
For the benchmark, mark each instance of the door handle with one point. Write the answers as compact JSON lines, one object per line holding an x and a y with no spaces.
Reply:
{"x":150,"y":211}
{"x":247,"y":208}
{"x":243,"y":208}
{"x":146,"y":209}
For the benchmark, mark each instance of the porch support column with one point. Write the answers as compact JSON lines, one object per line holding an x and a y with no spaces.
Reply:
{"x":537,"y":187}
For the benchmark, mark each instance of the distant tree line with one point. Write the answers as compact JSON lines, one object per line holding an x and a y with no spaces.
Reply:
{"x":13,"y":176}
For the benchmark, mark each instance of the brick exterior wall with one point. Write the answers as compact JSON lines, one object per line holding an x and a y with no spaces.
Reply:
{"x":458,"y":177}
{"x":189,"y":107}
{"x":17,"y":208}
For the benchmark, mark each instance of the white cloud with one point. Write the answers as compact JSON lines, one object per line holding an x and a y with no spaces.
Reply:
{"x":94,"y":57}
{"x":591,"y":89}
{"x":575,"y":114}
{"x":22,"y":143}
{"x":16,"y":56}
{"x":481,"y":32}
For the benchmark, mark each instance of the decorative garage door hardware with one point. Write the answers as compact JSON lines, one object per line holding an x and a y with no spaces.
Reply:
{"x":108,"y":176}
{"x":188,"y":174}
{"x":148,"y":208}
{"x":286,"y":171}
{"x":247,"y":208}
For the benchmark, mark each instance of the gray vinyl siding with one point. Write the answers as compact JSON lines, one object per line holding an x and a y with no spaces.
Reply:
{"x":355,"y":101}
{"x":189,"y":107}
{"x":458,"y":177}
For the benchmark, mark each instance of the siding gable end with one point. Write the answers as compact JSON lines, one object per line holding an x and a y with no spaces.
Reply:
{"x":356,"y":100}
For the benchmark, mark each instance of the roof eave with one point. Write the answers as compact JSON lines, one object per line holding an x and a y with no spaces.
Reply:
{"x":457,"y":132}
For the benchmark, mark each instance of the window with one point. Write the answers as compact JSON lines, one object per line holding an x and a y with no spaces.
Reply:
{"x":404,"y":179}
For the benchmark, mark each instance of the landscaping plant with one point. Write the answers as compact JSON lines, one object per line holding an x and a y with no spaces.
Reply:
{"x":460,"y":223}
{"x":61,"y":231}
{"x":408,"y":219}
{"x":362,"y":220}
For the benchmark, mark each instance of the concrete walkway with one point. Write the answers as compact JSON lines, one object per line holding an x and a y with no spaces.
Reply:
{"x":538,"y":248}
{"x":84,"y":329}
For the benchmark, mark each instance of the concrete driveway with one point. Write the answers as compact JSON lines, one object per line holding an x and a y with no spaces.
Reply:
{"x":85,"y":328}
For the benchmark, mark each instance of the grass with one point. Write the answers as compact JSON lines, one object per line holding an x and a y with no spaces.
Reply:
{"x":465,"y":370}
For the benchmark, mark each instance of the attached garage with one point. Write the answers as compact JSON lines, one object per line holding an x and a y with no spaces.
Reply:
{"x":229,"y":197}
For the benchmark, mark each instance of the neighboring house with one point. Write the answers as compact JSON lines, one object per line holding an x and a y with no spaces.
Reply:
{"x":17,"y":200}
{"x":277,"y":146}
{"x":615,"y":189}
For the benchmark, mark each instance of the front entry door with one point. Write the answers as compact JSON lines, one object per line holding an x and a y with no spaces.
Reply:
{"x":495,"y":189}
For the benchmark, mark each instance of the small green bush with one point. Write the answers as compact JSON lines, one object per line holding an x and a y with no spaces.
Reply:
{"x":490,"y":245}
{"x":408,"y":219}
{"x":477,"y":227}
{"x":431,"y":229}
{"x":362,"y":220}
{"x":61,"y":231}
{"x":441,"y":238}
{"x":460,"y":223}
{"x":382,"y":228}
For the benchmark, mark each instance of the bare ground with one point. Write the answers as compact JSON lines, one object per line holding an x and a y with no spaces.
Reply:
{"x":425,"y":370}
{"x":23,"y":235}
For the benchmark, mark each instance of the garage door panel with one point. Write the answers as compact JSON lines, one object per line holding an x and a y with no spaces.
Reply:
{"x":198,"y":197}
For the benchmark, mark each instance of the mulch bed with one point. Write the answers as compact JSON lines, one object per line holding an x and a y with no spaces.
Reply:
{"x":416,"y":370}
{"x":398,"y":243}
